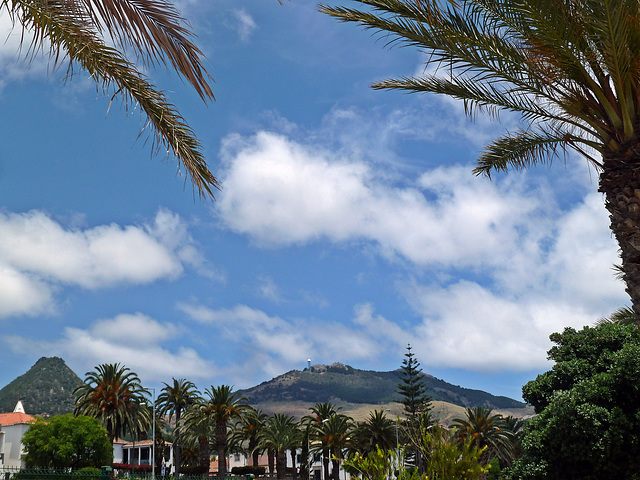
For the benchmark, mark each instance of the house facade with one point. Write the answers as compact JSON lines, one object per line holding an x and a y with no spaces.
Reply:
{"x":12,"y":428}
{"x":140,"y":453}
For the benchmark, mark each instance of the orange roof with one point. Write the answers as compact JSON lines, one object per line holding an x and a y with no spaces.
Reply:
{"x":15,"y":418}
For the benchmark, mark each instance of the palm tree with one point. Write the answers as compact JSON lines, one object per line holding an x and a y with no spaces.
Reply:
{"x":570,"y":69}
{"x":153,"y":31}
{"x":280,"y":434}
{"x":114,"y":395}
{"x":249,"y":429}
{"x":377,"y":432}
{"x":196,"y":429}
{"x":173,"y":400}
{"x":334,"y":434}
{"x":486,"y":430}
{"x":321,"y":413}
{"x":221,"y":406}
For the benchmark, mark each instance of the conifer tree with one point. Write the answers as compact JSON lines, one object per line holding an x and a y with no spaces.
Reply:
{"x":412,"y":389}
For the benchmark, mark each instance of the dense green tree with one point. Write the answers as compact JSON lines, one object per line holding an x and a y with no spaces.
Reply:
{"x":334,"y":435}
{"x":380,"y":465}
{"x":221,"y":406}
{"x":588,"y":406}
{"x":570,"y":69}
{"x":173,"y":400}
{"x":65,"y":441}
{"x":279,"y":434}
{"x":412,"y":390}
{"x":489,"y":431}
{"x":114,"y":395}
{"x":321,"y":413}
{"x":376,"y":433}
{"x":249,"y":428}
{"x":97,"y":35}
{"x":446,"y":458}
{"x":198,"y":426}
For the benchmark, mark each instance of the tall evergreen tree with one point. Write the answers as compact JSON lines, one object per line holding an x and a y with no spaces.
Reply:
{"x":412,"y":389}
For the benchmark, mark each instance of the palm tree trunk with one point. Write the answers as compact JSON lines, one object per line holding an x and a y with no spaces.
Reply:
{"x":335,"y":468}
{"x":281,"y":464}
{"x":176,"y":445}
{"x":271,"y":460}
{"x":620,"y":182}
{"x":253,"y":443}
{"x":325,"y":463}
{"x":221,"y":444}
{"x":292,"y":452}
{"x":203,"y":453}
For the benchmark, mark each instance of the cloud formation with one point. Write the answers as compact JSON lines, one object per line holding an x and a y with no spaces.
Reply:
{"x":506,"y":258}
{"x":39,"y":255}
{"x":134,"y":340}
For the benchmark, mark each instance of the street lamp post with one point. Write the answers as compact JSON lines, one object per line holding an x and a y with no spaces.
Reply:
{"x":153,"y":433}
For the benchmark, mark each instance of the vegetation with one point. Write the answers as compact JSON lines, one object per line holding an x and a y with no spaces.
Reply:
{"x":98,"y":36}
{"x":113,"y":394}
{"x":65,"y":441}
{"x":449,"y":459}
{"x":571,"y":70}
{"x":279,"y":434}
{"x":588,"y":404}
{"x":322,"y":384}
{"x":412,"y":390}
{"x":489,"y":432}
{"x":173,"y":401}
{"x":45,"y":389}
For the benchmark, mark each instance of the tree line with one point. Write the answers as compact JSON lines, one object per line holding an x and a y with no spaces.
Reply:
{"x":197,"y":424}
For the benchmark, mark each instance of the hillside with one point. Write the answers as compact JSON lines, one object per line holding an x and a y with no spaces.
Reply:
{"x":340,"y":383}
{"x":46,"y":389}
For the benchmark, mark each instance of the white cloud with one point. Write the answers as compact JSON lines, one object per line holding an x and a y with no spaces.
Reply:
{"x":525,"y":262}
{"x":268,"y":289}
{"x":244,"y":24}
{"x":38,"y":255}
{"x":15,"y":60}
{"x":281,"y":192}
{"x":134,"y":340}
{"x":274,"y":345}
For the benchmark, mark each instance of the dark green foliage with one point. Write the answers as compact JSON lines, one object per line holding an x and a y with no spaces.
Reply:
{"x":65,"y":441}
{"x":248,"y":470}
{"x":46,"y":389}
{"x":328,"y":383}
{"x":412,"y":390}
{"x":588,"y":426}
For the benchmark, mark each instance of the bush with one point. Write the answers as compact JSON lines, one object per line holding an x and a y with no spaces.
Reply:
{"x":248,"y":470}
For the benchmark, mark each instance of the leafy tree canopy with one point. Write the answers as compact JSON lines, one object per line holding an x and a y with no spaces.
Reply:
{"x":588,"y":405}
{"x":66,"y":441}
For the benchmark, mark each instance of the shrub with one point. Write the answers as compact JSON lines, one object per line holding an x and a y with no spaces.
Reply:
{"x":248,"y":470}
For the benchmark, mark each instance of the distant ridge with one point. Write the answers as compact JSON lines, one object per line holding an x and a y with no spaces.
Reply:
{"x":46,"y":389}
{"x":342,"y":383}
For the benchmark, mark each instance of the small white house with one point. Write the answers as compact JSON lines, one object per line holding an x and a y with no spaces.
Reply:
{"x":12,"y":428}
{"x":139,"y":453}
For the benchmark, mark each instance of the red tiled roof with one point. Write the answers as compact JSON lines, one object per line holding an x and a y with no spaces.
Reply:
{"x":15,"y":418}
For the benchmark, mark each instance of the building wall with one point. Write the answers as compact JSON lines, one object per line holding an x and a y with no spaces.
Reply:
{"x":12,"y":445}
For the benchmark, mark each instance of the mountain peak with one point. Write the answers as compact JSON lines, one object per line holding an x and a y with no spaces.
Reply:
{"x":45,"y":389}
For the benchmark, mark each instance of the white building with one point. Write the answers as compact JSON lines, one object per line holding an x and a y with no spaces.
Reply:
{"x":139,"y":453}
{"x":12,"y":428}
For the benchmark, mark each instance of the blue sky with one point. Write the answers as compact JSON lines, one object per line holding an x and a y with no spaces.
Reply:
{"x":349,"y":223}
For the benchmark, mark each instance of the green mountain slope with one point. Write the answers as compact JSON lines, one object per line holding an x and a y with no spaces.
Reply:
{"x":337,"y":382}
{"x":46,"y":389}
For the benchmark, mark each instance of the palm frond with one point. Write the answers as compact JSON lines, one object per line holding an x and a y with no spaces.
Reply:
{"x":520,"y":150}
{"x":115,"y":73}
